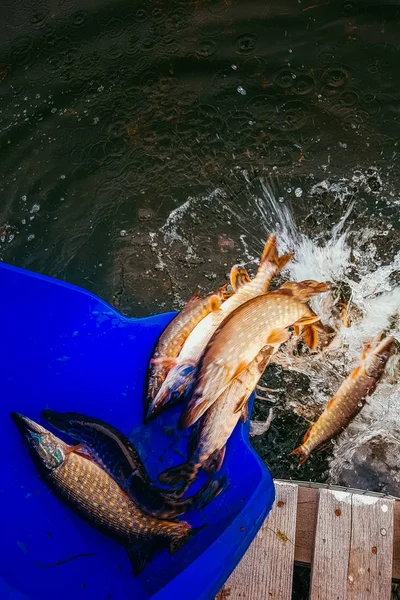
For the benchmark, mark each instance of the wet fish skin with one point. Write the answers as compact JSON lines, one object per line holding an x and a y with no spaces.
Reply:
{"x":174,"y":385}
{"x":349,"y":399}
{"x":262,"y":320}
{"x":114,"y":453}
{"x":207,"y":446}
{"x":172,"y":339}
{"x":97,"y":498}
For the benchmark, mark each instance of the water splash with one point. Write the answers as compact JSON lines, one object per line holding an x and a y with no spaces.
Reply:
{"x":347,"y":255}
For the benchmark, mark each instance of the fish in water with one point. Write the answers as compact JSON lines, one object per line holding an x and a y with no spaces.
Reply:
{"x":349,"y":399}
{"x":260,"y":321}
{"x":114,"y":453}
{"x":181,"y":376}
{"x":96,"y":497}
{"x":206,"y":448}
{"x":174,"y":335}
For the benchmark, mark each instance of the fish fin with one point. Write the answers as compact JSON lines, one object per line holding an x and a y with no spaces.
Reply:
{"x":245,"y":412}
{"x":180,"y":477}
{"x":214,"y":461}
{"x":307,"y":434}
{"x":311,"y":336}
{"x":238,"y":277}
{"x":303,"y":454}
{"x":270,"y":252}
{"x":241,"y":403}
{"x":278,"y":336}
{"x":282,"y":261}
{"x":214,"y":303}
{"x":240,"y":368}
{"x":223,"y":292}
{"x":207,"y":493}
{"x":164,"y":361}
{"x":297,"y":329}
{"x":191,"y":413}
{"x":307,"y":320}
{"x":140,"y":552}
{"x":356,"y":372}
{"x":178,"y":538}
{"x":79,"y":449}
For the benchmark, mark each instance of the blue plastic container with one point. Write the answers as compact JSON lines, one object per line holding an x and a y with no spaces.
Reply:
{"x":65,"y":349}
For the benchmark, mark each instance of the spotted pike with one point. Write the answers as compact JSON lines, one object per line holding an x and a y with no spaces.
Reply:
{"x":206,"y":449}
{"x":349,"y":399}
{"x":174,"y":335}
{"x":96,"y":497}
{"x":114,"y":453}
{"x":240,"y":337}
{"x":180,"y":377}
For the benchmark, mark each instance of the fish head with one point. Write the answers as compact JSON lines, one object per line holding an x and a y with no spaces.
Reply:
{"x":45,"y":448}
{"x":178,"y":381}
{"x":376,"y":356}
{"x":71,"y":423}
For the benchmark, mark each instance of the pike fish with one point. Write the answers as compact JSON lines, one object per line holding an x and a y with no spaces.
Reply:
{"x":349,"y":399}
{"x":181,"y":376}
{"x":96,"y":497}
{"x":206,"y":448}
{"x":259,"y":321}
{"x":114,"y":453}
{"x":174,"y":335}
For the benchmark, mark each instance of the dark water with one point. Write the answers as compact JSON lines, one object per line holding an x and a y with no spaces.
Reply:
{"x":113,"y":114}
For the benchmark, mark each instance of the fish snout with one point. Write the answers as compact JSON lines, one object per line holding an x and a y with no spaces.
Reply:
{"x":27,"y":426}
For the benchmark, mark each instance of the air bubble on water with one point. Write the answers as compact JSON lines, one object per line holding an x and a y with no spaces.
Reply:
{"x":241,"y":90}
{"x":298,"y":192}
{"x":53,"y":110}
{"x":234,"y":67}
{"x":23,"y":221}
{"x":23,"y":198}
{"x":123,"y":233}
{"x":35,"y":208}
{"x":31,"y":237}
{"x":62,"y":176}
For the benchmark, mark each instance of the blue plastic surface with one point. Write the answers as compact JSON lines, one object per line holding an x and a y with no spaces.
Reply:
{"x":65,"y":349}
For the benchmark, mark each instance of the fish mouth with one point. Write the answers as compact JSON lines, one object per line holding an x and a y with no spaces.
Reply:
{"x":27,"y":426}
{"x":157,"y":406}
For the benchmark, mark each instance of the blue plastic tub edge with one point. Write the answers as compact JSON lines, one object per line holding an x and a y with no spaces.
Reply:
{"x":199,"y":580}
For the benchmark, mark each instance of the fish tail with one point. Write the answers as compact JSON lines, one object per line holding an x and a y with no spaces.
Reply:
{"x":207,"y":493}
{"x":140,"y":553}
{"x":304,"y":454}
{"x":270,"y":254}
{"x":180,"y":477}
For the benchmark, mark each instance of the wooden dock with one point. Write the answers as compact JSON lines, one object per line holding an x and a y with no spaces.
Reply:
{"x":350,"y":538}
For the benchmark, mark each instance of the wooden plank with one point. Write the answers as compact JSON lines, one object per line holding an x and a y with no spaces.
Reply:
{"x":370,"y":560}
{"x":306,"y":522}
{"x":332,"y":546}
{"x":307,"y":506}
{"x":266,"y":570}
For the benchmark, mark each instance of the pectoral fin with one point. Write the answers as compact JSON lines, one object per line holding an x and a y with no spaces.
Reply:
{"x":307,"y":320}
{"x":277,"y":336}
{"x":311,"y":336}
